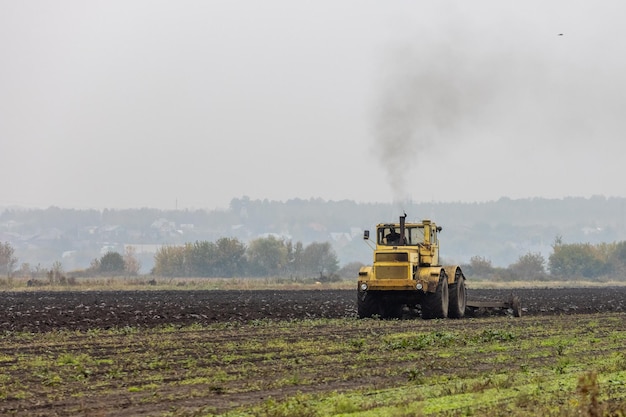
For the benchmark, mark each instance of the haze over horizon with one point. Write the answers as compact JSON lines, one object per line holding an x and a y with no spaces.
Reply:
{"x":191,"y":104}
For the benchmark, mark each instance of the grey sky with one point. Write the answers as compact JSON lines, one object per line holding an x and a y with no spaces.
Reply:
{"x":124,"y":104}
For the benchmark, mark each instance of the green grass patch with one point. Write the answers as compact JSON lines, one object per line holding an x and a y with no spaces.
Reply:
{"x":552,"y":366}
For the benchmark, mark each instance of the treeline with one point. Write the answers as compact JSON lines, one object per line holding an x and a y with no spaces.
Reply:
{"x":273,"y":257}
{"x":262,"y":257}
{"x":604,"y":261}
{"x":589,"y":261}
{"x":226,"y":257}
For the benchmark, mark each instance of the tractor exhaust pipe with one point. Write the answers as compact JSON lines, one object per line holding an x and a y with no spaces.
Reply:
{"x":402,"y":229}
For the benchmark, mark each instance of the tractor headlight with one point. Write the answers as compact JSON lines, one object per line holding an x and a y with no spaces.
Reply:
{"x":363,"y":286}
{"x":418,"y":286}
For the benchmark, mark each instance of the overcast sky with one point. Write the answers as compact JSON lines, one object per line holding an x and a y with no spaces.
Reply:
{"x":189,"y":104}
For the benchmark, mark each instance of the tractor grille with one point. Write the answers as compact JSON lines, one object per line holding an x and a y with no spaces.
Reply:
{"x":392,"y":257}
{"x":392,"y":272}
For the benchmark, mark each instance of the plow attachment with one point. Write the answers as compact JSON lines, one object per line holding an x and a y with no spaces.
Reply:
{"x":478,"y":307}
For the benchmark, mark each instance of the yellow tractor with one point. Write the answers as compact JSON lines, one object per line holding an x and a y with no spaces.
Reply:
{"x":407,"y":273}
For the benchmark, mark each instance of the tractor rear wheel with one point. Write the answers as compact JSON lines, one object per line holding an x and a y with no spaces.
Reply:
{"x":458,"y":296}
{"x":435,"y":305}
{"x":368,"y":305}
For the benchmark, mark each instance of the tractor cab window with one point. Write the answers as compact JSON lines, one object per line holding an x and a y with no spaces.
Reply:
{"x":389,"y":236}
{"x":414,"y":235}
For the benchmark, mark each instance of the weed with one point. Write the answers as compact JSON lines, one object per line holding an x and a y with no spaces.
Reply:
{"x":297,"y":406}
{"x":561,"y":364}
{"x":68,"y":359}
{"x":620,"y":361}
{"x":495,"y":335}
{"x":357,"y":343}
{"x":344,"y":405}
{"x":6,"y":359}
{"x":560,"y":347}
{"x":415,"y":375}
{"x":115,"y":373}
{"x":128,"y":330}
{"x":482,"y":384}
{"x":294,"y":379}
{"x":423,"y":340}
{"x":94,"y":332}
{"x":51,"y":380}
{"x":527,"y":401}
{"x":589,"y":392}
{"x":261,"y":323}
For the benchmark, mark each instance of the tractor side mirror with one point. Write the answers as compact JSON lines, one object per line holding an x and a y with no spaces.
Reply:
{"x":366,"y":235}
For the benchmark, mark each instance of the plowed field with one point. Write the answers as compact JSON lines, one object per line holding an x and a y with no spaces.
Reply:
{"x":303,"y":353}
{"x":52,"y":310}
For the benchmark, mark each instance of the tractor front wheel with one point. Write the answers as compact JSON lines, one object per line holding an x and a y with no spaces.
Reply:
{"x":368,"y":305}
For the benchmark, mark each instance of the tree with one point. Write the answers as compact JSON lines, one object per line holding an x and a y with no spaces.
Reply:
{"x":294,"y":258}
{"x":617,"y":258}
{"x":224,"y":258}
{"x":620,"y":252}
{"x":230,"y":257}
{"x":169,"y":261}
{"x":576,"y":261}
{"x":7,"y":259}
{"x":199,"y":259}
{"x":266,"y":257}
{"x":529,"y":267}
{"x":131,"y":263}
{"x":94,"y":267}
{"x":320,"y":259}
{"x":112,"y":263}
{"x":56,"y":275}
{"x":479,"y":267}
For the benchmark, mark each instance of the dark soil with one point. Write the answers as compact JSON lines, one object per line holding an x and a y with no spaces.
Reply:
{"x":49,"y":310}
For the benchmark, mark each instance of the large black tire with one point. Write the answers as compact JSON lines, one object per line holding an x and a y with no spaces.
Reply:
{"x":368,"y":305}
{"x":435,"y":305}
{"x":390,"y":309}
{"x":458,"y":299}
